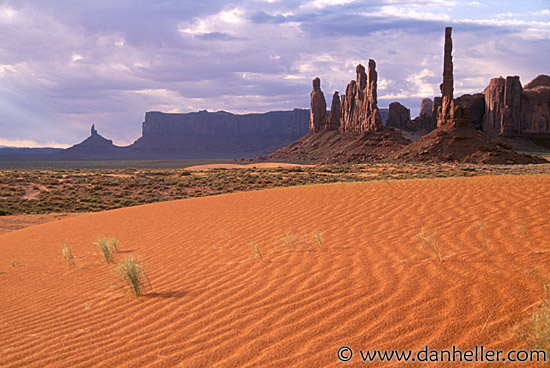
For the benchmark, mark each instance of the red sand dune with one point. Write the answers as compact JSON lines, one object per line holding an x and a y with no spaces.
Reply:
{"x":215,"y":305}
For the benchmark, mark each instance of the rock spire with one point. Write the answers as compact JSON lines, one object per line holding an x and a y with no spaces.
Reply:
{"x":318,"y":111}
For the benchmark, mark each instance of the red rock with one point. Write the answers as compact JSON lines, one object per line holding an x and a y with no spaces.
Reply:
{"x":399,"y":116}
{"x":475,"y":106}
{"x":360,"y":111}
{"x":447,"y":87}
{"x":333,"y":121}
{"x":318,"y":111}
{"x":511,"y":110}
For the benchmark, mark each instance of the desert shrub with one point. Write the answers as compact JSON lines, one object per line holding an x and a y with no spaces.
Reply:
{"x":484,"y":244}
{"x":535,"y":329}
{"x":255,"y":250}
{"x":67,"y":255}
{"x":133,"y":274}
{"x":318,"y":238}
{"x":429,"y":246}
{"x":105,"y":249}
{"x":289,"y":241}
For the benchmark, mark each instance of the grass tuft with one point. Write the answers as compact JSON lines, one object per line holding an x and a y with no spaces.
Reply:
{"x":255,"y":250}
{"x":133,"y":274}
{"x":110,"y":243}
{"x":67,"y":255}
{"x":428,"y":243}
{"x":523,"y":230}
{"x":535,"y":329}
{"x":480,"y":224}
{"x":318,"y":236}
{"x":106,"y":250}
{"x":289,"y":241}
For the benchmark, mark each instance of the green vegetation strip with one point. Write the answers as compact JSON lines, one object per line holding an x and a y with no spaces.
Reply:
{"x":39,"y":191}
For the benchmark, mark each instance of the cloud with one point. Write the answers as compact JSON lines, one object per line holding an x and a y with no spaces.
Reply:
{"x":31,"y":144}
{"x":64,"y":66}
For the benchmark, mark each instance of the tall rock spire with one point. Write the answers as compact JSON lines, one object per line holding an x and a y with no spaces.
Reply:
{"x":333,"y":121}
{"x":359,"y":105}
{"x":373,"y":121}
{"x":318,"y":111}
{"x":447,"y":87}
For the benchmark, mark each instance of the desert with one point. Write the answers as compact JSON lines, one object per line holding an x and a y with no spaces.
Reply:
{"x":240,"y":280}
{"x":332,"y":183}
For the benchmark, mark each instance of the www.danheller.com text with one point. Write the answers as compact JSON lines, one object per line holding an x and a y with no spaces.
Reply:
{"x":476,"y":354}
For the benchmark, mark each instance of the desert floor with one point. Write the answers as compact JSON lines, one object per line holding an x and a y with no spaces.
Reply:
{"x":371,"y":284}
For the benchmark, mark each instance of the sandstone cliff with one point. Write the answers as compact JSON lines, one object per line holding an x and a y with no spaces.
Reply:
{"x":399,"y":116}
{"x":512,"y":110}
{"x":219,"y":134}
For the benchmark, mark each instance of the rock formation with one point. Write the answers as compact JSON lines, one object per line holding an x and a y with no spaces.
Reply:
{"x":535,"y":107}
{"x":461,"y":143}
{"x":333,"y":121}
{"x":219,"y":134}
{"x":426,"y":120}
{"x":359,"y":105}
{"x":94,"y":145}
{"x":449,"y":112}
{"x":455,"y":139}
{"x":399,"y":116}
{"x":511,"y":110}
{"x":474,"y":105}
{"x":447,"y":87}
{"x":318,"y":111}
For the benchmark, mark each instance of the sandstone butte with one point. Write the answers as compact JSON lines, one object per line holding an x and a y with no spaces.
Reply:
{"x":373,"y":285}
{"x":353,"y":131}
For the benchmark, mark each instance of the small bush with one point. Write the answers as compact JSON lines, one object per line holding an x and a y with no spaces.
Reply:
{"x":318,"y":238}
{"x":289,"y":241}
{"x":104,"y":248}
{"x":480,"y":224}
{"x":133,"y":274}
{"x":110,"y":243}
{"x":523,"y":230}
{"x":68,"y":255}
{"x":429,"y":246}
{"x":255,"y":250}
{"x":535,"y":329}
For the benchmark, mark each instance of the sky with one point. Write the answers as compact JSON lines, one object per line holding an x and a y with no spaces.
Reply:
{"x":65,"y":65}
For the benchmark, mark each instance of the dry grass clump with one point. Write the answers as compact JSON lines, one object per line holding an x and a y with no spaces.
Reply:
{"x":255,"y":250}
{"x":318,"y":236}
{"x":484,"y":244}
{"x":104,"y":248}
{"x":429,"y":246}
{"x":535,"y":329}
{"x":133,"y":274}
{"x":523,"y":230}
{"x":108,"y":246}
{"x":111,"y":243}
{"x":289,"y":242}
{"x":67,"y":255}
